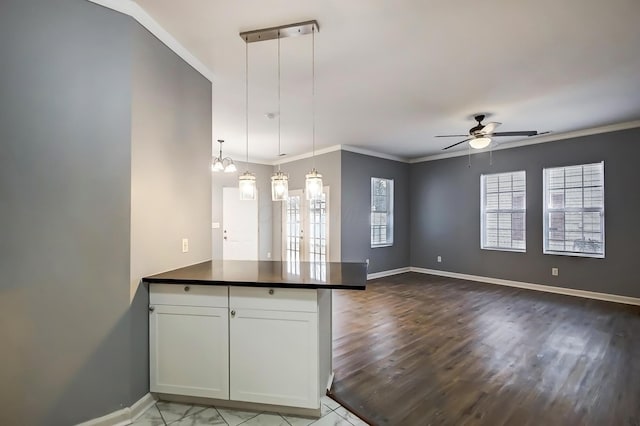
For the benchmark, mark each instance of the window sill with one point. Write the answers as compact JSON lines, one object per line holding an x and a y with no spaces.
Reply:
{"x":573,"y":254}
{"x":504,"y":249}
{"x":382,"y":245}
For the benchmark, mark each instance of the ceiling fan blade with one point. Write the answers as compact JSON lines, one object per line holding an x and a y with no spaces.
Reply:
{"x":521,"y":133}
{"x":490,"y":127}
{"x":452,"y":136}
{"x":457,"y":143}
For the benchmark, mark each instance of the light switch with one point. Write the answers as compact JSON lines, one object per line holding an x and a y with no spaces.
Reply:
{"x":215,"y":225}
{"x":185,"y":245}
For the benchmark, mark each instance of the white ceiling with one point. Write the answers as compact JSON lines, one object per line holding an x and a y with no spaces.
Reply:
{"x":390,"y":75}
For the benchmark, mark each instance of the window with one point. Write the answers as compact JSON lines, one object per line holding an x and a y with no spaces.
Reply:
{"x":381,"y":212}
{"x":503,"y":207}
{"x":574,"y":210}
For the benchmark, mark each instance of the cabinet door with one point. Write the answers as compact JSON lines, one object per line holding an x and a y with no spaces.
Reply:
{"x":188,"y":350}
{"x":274,"y":357}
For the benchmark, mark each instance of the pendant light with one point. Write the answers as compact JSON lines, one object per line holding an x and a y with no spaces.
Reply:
{"x":221,"y":163}
{"x":279,"y":180}
{"x":247,"y":180}
{"x":313,"y":179}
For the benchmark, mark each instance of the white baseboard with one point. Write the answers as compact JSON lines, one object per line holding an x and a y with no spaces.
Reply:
{"x":124,"y":416}
{"x":388,"y":273}
{"x":142,"y":405}
{"x":530,"y":286}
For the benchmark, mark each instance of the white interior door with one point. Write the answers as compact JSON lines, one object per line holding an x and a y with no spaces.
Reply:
{"x":239,"y":226}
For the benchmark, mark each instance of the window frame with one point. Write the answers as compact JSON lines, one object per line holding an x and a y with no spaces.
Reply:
{"x":546,"y":211}
{"x":390,"y":207}
{"x":483,"y":213}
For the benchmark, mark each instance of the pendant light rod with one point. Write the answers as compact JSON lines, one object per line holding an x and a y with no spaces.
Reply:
{"x":313,"y":93}
{"x":279,"y":104}
{"x":246,"y":99}
{"x":281,"y":31}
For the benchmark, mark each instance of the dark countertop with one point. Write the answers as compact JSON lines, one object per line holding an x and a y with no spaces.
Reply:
{"x":330,"y":275}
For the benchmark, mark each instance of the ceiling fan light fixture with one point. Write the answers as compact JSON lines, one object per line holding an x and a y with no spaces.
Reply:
{"x":480,"y":142}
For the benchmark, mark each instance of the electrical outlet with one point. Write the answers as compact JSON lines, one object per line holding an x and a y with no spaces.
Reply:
{"x":554,"y":272}
{"x":268,"y":255}
{"x":439,"y":259}
{"x":185,"y":245}
{"x":367,"y":262}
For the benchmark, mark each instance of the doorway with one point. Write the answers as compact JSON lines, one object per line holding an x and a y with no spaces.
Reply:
{"x":305,"y":225}
{"x":240,"y":226}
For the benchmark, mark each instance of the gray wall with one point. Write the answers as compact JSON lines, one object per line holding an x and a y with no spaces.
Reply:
{"x":220,"y":180}
{"x":64,"y":189}
{"x":329,"y":166}
{"x":73,"y":323}
{"x":170,"y":177}
{"x":445,"y":215}
{"x":357,"y":171}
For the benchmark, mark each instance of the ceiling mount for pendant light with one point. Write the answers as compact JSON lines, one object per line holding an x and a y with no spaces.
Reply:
{"x":221,"y":163}
{"x":279,"y":180}
{"x":313,"y":180}
{"x":247,"y":180}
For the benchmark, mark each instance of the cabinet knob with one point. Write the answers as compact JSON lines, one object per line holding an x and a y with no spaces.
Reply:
{"x":152,"y":308}
{"x":187,"y":288}
{"x":233,"y":313}
{"x":271,"y":291}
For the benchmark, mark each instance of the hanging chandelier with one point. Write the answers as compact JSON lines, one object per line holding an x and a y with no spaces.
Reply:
{"x":280,"y":180}
{"x":221,"y":163}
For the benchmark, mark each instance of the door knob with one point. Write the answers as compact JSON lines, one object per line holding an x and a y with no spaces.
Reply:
{"x":152,"y":308}
{"x":233,"y":313}
{"x":225,"y":237}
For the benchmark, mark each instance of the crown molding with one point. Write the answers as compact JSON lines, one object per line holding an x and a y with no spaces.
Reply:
{"x":134,"y":10}
{"x":536,"y":140}
{"x":333,"y":148}
{"x":371,"y":153}
{"x":327,"y":150}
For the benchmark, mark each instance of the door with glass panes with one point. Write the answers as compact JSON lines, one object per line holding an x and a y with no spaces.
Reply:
{"x":305,"y":226}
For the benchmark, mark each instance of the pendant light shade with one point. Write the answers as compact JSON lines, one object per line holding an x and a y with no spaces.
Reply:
{"x":313,"y":185}
{"x":279,"y":186}
{"x":247,"y":186}
{"x":247,"y":180}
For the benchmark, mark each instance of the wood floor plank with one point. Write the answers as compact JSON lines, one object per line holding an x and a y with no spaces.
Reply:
{"x":416,"y":349}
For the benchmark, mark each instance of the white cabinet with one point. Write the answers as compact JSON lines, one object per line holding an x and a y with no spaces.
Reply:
{"x":250,"y":344}
{"x":188,"y":341}
{"x":274,"y":357}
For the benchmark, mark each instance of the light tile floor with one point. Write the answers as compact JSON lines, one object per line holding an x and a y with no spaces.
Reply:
{"x":171,"y":413}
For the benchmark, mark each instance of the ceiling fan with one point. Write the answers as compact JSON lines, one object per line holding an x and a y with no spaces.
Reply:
{"x":481,"y":134}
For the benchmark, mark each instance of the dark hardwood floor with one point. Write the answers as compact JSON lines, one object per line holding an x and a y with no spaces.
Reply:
{"x":418,"y":349}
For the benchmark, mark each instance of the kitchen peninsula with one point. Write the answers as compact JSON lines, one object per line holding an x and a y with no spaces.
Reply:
{"x":246,"y":334}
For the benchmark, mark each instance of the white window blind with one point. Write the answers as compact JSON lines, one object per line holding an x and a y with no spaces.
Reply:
{"x":503,"y":207}
{"x":574,"y":210}
{"x":381,"y":212}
